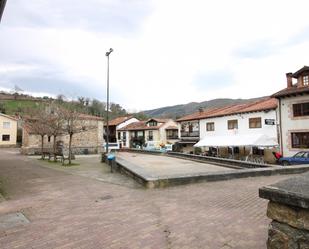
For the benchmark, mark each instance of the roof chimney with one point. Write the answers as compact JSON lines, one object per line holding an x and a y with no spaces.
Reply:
{"x":200,"y":109}
{"x":289,"y":80}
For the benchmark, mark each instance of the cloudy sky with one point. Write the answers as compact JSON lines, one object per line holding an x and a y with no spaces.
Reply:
{"x":166,"y":52}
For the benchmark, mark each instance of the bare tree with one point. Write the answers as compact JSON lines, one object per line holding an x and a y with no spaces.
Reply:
{"x":37,"y":122}
{"x":55,"y":126}
{"x":74,"y":122}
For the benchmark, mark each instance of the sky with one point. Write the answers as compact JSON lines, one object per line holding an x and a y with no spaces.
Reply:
{"x":166,"y":52}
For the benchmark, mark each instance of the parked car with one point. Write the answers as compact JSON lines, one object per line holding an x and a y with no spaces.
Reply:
{"x":301,"y":157}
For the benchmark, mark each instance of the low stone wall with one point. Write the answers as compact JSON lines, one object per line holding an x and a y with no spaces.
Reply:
{"x":75,"y":150}
{"x":288,"y":208}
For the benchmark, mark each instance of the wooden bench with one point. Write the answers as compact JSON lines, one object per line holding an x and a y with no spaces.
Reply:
{"x":46,"y":154}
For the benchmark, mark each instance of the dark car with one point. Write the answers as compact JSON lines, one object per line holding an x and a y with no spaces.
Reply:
{"x":301,"y":157}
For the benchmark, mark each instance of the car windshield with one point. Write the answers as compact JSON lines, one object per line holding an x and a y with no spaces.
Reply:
{"x":299,"y":154}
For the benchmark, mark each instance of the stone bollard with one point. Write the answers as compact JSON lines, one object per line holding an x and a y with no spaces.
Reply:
{"x":288,"y":207}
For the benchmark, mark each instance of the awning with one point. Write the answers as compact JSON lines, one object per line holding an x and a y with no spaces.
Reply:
{"x":260,"y":140}
{"x":187,"y":142}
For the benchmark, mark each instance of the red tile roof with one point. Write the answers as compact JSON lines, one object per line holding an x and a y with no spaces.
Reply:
{"x":7,"y":116}
{"x":137,"y":126}
{"x":261,"y":105}
{"x":294,"y":90}
{"x":90,"y":117}
{"x":119,"y":120}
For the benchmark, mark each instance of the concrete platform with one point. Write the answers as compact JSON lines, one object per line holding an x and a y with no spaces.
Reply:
{"x":156,"y":171}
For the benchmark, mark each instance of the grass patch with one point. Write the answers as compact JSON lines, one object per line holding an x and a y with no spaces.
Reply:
{"x":72,"y":164}
{"x":59,"y":163}
{"x":14,"y":106}
{"x":2,"y":189}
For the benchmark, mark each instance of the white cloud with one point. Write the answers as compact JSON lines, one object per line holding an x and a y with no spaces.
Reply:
{"x":159,"y":63}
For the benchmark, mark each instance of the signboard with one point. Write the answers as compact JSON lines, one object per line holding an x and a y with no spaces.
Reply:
{"x":269,"y":121}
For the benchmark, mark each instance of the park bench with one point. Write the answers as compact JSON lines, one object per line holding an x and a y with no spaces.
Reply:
{"x":65,"y":157}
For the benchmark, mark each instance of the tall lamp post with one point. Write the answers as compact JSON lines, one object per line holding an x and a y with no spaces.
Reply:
{"x":107,"y":99}
{"x":2,"y":5}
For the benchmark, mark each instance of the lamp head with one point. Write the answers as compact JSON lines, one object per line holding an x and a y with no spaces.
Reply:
{"x":108,"y":53}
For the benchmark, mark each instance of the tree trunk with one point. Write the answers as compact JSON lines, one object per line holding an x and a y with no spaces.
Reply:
{"x":54,"y":148}
{"x":42,"y":146}
{"x":70,"y":149}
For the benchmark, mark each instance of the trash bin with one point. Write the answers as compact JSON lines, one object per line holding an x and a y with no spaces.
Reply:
{"x":111,"y":160}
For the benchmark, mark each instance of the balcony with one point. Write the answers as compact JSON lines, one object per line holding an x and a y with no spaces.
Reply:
{"x":172,"y":137}
{"x":190,"y":134}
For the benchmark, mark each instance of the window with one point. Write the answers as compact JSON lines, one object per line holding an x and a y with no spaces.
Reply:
{"x":257,"y":151}
{"x":6,"y":125}
{"x":300,"y":140}
{"x":5,"y":137}
{"x":255,"y":123}
{"x":306,"y":80}
{"x":140,"y":134}
{"x":48,"y":139}
{"x":150,"y":135}
{"x":172,"y":134}
{"x":119,"y":135}
{"x":301,"y":109}
{"x":152,"y":123}
{"x":124,"y":135}
{"x":232,"y":124}
{"x":210,"y":126}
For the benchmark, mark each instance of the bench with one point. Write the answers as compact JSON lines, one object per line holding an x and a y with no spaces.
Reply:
{"x":65,"y":156}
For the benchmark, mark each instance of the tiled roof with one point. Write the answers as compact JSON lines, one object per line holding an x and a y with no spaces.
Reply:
{"x":119,"y":120}
{"x":90,"y":117}
{"x":159,"y":120}
{"x":137,"y":126}
{"x":291,"y":91}
{"x":7,"y":116}
{"x":171,"y":127}
{"x":300,"y":71}
{"x":261,"y":105}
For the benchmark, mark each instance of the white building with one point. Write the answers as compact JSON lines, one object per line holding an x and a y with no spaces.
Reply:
{"x":157,"y":131}
{"x":237,"y":122}
{"x":115,"y":125}
{"x":293,"y":113}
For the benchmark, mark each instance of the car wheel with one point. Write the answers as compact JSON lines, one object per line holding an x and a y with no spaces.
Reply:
{"x":285,"y":163}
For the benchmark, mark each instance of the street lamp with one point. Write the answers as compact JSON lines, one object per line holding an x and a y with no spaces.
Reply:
{"x":2,"y":5}
{"x":107,"y":99}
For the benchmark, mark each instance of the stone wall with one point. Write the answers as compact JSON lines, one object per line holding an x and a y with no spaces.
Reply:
{"x":288,"y":208}
{"x":89,"y":141}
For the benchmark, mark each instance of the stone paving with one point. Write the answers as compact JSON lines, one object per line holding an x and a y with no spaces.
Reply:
{"x":157,"y":165}
{"x":67,"y":210}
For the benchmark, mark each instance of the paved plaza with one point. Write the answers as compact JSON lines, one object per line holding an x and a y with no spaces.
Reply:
{"x":164,"y":166}
{"x":75,"y":208}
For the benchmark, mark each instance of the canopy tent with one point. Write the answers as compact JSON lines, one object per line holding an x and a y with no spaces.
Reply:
{"x":259,"y":140}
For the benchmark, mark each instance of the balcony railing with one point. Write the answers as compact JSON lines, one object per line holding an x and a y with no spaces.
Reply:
{"x":190,"y":134}
{"x":172,"y":137}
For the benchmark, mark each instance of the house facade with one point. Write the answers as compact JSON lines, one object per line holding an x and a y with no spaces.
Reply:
{"x":189,"y":132}
{"x":293,"y":113}
{"x":233,"y":122}
{"x":90,"y":140}
{"x":113,"y":127}
{"x":8,"y":131}
{"x":156,"y":131}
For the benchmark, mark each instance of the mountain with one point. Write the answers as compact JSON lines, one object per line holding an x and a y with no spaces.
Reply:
{"x":178,"y":111}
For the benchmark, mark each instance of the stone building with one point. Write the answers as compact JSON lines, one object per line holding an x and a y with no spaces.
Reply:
{"x":90,"y":140}
{"x":293,"y":113}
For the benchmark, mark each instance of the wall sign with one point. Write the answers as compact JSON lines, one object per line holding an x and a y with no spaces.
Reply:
{"x":269,"y":121}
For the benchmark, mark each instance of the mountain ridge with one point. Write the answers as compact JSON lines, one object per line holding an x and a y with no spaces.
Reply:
{"x":180,"y":110}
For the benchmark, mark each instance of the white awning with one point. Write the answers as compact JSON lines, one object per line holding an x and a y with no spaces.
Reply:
{"x":260,"y":140}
